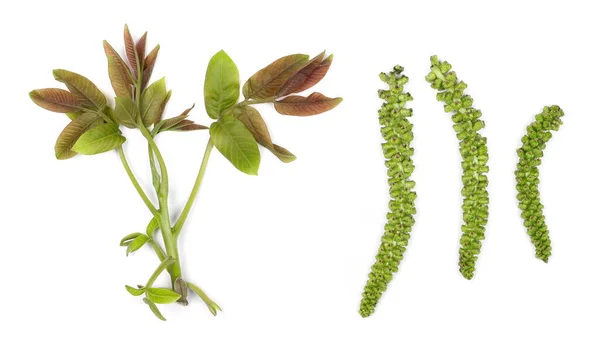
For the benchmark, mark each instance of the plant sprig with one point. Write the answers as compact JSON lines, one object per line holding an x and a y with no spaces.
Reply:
{"x":237,"y":131}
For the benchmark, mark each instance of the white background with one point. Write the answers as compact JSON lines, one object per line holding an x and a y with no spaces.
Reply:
{"x":286,"y":254}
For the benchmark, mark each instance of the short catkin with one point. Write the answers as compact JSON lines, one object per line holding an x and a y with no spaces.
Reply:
{"x":474,"y":153}
{"x":397,"y":134}
{"x":527,"y":175}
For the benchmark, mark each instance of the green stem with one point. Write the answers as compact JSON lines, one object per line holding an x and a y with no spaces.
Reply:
{"x":188,"y":206}
{"x":165,"y":263}
{"x":135,"y":182}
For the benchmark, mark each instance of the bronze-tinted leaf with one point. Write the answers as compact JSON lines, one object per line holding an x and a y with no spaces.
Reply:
{"x":149,"y":62}
{"x":308,"y":76}
{"x":120,"y":75}
{"x":126,"y":112}
{"x":267,"y":82}
{"x":55,"y":99}
{"x":130,"y":50}
{"x":163,"y":106}
{"x":314,"y":104}
{"x":171,"y":122}
{"x":187,"y":125}
{"x":140,"y":47}
{"x":82,"y":88}
{"x":67,"y":138}
{"x":257,"y":126}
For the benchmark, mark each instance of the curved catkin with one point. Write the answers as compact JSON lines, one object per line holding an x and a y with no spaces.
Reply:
{"x":474,"y":153}
{"x":527,"y":175}
{"x":397,"y":134}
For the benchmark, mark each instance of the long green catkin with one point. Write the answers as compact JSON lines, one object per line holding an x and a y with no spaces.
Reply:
{"x":527,"y":175}
{"x":397,"y":134}
{"x":474,"y":153}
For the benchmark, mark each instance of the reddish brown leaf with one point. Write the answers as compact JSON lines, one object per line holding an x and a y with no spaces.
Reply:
{"x":119,"y":73}
{"x":257,"y":126}
{"x":171,"y":122}
{"x":86,"y":93}
{"x":187,"y":125}
{"x":149,"y":65}
{"x":140,"y":47}
{"x":314,"y":104}
{"x":267,"y":82}
{"x":308,"y":76}
{"x":72,"y":132}
{"x":55,"y":99}
{"x":131,"y":51}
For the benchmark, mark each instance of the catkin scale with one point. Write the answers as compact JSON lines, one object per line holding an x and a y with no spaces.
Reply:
{"x":473,"y":150}
{"x":396,"y":131}
{"x":527,"y":176}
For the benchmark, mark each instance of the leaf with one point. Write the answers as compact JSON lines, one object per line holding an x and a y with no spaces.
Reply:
{"x":236,"y":143}
{"x":212,"y":306}
{"x":187,"y":125}
{"x":82,"y":89}
{"x":126,"y":112}
{"x":140,"y":47}
{"x":118,"y":72}
{"x":137,"y":243}
{"x":149,"y":62}
{"x":73,"y":115}
{"x":257,"y":126}
{"x":267,"y":82}
{"x":134,"y":291}
{"x":221,"y":85}
{"x":308,"y":76}
{"x":314,"y":104}
{"x":163,"y":105}
{"x":169,"y":123}
{"x":55,"y":99}
{"x":154,"y":309}
{"x":181,"y":288}
{"x":100,"y":139}
{"x":162,"y":295}
{"x":72,"y":132}
{"x":152,"y":226}
{"x":129,"y":237}
{"x":130,"y":50}
{"x":152,"y":102}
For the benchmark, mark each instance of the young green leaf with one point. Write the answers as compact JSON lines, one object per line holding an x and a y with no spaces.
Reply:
{"x":73,"y":115}
{"x":221,"y":85}
{"x":99,"y":139}
{"x":82,"y":89}
{"x":134,"y":291}
{"x":212,"y":306}
{"x":130,"y":50}
{"x":152,"y":226}
{"x":257,"y":126}
{"x":126,"y":112}
{"x":236,"y":143}
{"x":128,"y":238}
{"x":154,"y":309}
{"x":267,"y":82}
{"x":118,"y":72}
{"x":149,"y":62}
{"x":162,"y":295}
{"x":72,"y":132}
{"x":314,"y":104}
{"x":55,"y":99}
{"x":308,"y":76}
{"x":137,"y":243}
{"x":152,"y":102}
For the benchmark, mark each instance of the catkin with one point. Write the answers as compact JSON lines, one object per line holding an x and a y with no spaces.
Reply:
{"x":474,"y":153}
{"x":527,"y":175}
{"x":397,"y":134}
